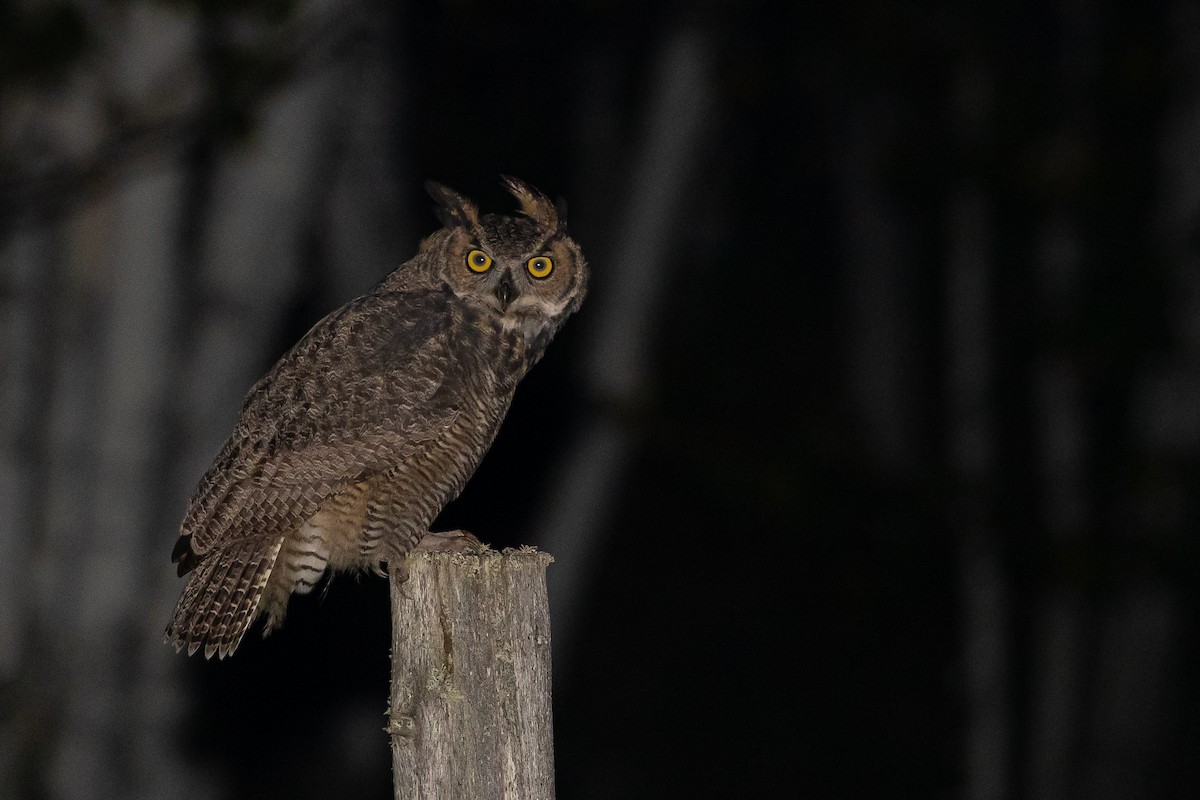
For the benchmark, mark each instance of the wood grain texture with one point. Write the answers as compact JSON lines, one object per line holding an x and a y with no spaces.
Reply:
{"x":470,"y":713}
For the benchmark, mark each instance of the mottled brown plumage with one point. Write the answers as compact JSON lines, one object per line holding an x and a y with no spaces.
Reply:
{"x":352,"y":443}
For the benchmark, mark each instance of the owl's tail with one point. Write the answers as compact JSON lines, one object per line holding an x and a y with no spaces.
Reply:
{"x":221,"y":598}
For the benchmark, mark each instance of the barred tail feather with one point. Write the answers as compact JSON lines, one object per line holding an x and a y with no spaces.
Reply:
{"x":222,"y":598}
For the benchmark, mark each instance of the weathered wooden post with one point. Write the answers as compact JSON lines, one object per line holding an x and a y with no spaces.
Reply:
{"x":470,"y":713}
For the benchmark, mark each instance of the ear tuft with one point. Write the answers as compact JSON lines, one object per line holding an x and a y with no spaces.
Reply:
{"x":453,"y":210}
{"x":534,"y":204}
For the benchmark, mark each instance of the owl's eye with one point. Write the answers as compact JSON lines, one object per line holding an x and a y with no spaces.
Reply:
{"x":539,"y":267}
{"x":479,"y":261}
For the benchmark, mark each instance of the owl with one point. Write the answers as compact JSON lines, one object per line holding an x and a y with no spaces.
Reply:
{"x":351,"y":444}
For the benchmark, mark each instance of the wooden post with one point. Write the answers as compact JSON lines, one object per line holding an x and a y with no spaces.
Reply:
{"x":470,"y":713}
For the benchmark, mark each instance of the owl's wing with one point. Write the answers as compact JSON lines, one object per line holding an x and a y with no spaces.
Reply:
{"x":351,"y":398}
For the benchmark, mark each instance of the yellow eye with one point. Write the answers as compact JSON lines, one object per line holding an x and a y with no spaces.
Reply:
{"x":540,"y":267}
{"x":479,"y":261}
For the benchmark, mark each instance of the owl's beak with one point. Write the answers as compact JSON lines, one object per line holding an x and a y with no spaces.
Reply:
{"x":504,"y":291}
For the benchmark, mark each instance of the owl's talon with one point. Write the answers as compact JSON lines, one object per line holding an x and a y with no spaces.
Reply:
{"x":400,"y":578}
{"x":399,"y":573}
{"x":458,"y":541}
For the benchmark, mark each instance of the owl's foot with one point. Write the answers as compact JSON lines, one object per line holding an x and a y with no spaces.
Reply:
{"x":395,"y":565}
{"x":459,"y":541}
{"x":399,"y":571}
{"x":390,"y":561}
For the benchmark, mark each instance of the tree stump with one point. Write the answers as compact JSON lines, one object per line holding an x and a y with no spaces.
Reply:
{"x":470,"y":712}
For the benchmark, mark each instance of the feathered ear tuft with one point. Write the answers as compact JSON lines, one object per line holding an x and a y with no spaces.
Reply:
{"x":534,"y":204}
{"x":452,"y":208}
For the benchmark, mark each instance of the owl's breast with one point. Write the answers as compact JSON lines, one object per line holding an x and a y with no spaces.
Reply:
{"x":488,"y":363}
{"x":450,"y":434}
{"x":496,"y":349}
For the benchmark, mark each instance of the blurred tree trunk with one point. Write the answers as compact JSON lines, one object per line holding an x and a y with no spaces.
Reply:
{"x":100,"y":342}
{"x":1127,"y":290}
{"x":46,"y":454}
{"x":1077,"y":324}
{"x":623,"y":308}
{"x":971,"y":446}
{"x":134,"y":322}
{"x":881,"y":331}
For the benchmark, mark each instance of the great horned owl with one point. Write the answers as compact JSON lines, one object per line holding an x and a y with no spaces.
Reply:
{"x":352,"y":443}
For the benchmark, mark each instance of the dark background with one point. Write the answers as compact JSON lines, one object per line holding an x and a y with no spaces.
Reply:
{"x":893,"y":347}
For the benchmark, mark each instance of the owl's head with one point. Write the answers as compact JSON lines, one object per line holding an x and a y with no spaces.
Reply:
{"x":525,"y":269}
